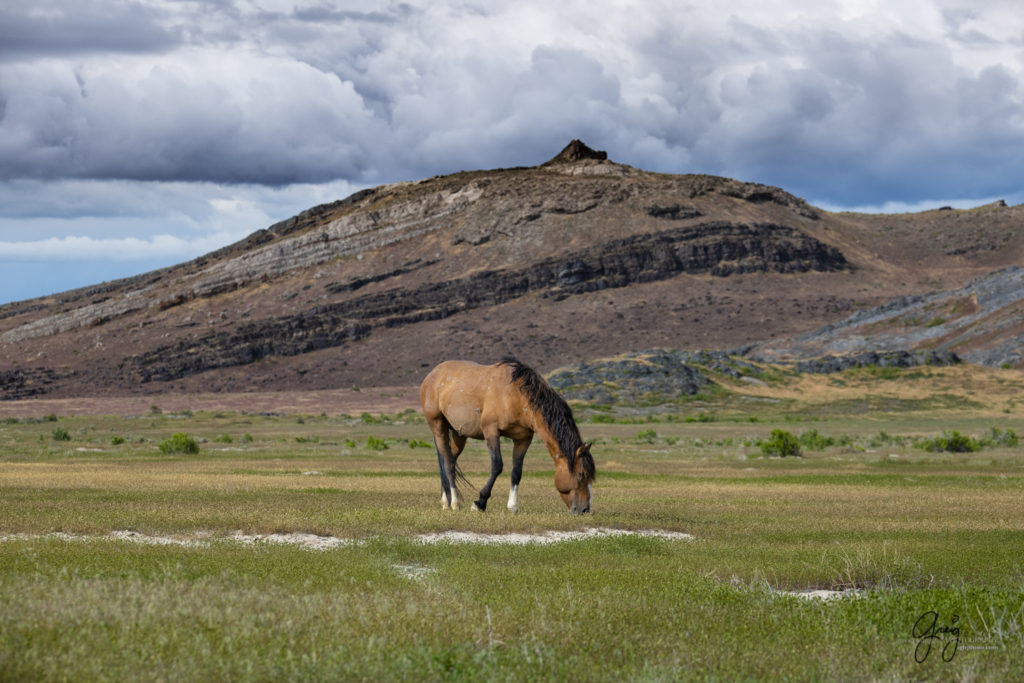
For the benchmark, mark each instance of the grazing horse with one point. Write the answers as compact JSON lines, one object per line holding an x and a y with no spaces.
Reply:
{"x":464,"y":400}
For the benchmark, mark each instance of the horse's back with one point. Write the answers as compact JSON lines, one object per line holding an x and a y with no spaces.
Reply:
{"x":461,"y":391}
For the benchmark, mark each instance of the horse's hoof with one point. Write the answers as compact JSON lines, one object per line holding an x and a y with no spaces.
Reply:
{"x":513,"y":509}
{"x":476,"y":508}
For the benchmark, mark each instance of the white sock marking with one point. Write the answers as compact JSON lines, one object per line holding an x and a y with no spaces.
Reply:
{"x":513,"y":499}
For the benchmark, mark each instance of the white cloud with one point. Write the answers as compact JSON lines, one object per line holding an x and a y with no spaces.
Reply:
{"x":74,"y":248}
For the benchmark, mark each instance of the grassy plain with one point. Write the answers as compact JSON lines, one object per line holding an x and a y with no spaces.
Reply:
{"x":902,"y":531}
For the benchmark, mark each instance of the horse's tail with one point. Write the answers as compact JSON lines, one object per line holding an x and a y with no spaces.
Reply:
{"x":460,"y":477}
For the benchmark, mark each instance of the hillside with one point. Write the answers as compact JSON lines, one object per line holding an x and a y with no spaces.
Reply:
{"x":577,"y":258}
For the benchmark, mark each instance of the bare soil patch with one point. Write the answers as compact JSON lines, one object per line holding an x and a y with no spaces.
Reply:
{"x":316,"y":542}
{"x":374,"y":400}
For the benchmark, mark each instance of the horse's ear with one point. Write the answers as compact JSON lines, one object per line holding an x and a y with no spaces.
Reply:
{"x":584,"y":449}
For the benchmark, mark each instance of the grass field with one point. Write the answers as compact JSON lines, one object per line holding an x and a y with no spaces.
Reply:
{"x":903,"y":532}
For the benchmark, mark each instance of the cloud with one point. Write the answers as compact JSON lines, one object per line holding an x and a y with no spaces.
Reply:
{"x":248,"y":118}
{"x":53,"y":27}
{"x":34,"y":210}
{"x":57,"y":235}
{"x":74,"y":248}
{"x":847,"y":101}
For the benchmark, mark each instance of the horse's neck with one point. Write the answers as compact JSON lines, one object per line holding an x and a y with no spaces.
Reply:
{"x":540,"y":428}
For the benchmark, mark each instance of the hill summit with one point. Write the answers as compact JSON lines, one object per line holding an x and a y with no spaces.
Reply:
{"x":576,"y":151}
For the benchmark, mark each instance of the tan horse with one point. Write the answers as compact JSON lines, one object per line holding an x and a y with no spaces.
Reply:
{"x":464,"y":400}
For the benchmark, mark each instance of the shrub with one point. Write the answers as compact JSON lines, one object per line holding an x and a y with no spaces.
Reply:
{"x":998,"y":438}
{"x":950,"y":442}
{"x":647,"y":436}
{"x":179,"y":443}
{"x":50,"y":417}
{"x":117,"y":440}
{"x":813,"y":441}
{"x":61,"y":434}
{"x":417,"y":443}
{"x":886,"y":439}
{"x":223,"y":438}
{"x":780,"y":443}
{"x":375,"y":444}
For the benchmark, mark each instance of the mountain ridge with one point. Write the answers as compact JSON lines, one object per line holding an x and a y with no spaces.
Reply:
{"x":602,"y":258}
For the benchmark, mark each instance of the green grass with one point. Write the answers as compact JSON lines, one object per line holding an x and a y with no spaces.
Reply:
{"x":914,"y":531}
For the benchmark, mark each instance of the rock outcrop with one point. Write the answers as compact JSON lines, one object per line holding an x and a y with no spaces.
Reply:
{"x":981,"y":322}
{"x":720,"y":249}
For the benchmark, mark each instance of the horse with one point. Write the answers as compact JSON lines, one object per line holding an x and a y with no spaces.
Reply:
{"x":462,"y":399}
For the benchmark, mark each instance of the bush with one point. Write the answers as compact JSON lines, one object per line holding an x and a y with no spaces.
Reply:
{"x":417,"y":443}
{"x":998,"y":438}
{"x":647,"y":436}
{"x":813,"y":441}
{"x":780,"y":443}
{"x":886,"y":439}
{"x":61,"y":434}
{"x":179,"y":443}
{"x":950,"y":442}
{"x":117,"y":440}
{"x":375,"y":444}
{"x":223,"y":438}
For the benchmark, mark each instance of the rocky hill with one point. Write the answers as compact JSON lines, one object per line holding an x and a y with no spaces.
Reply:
{"x":577,"y":258}
{"x":982,"y":322}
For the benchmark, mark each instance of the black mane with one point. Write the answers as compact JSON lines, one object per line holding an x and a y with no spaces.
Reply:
{"x":555,"y":411}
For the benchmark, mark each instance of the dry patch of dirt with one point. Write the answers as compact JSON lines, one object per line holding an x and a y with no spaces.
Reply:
{"x":374,"y":400}
{"x":546,"y":537}
{"x":315,"y":542}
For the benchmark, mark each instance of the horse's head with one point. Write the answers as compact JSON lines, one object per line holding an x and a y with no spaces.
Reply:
{"x":574,"y":479}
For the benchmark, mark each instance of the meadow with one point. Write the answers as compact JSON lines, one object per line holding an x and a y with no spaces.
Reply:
{"x":925,"y":548}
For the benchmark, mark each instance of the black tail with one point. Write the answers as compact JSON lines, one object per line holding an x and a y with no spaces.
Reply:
{"x":461,"y":478}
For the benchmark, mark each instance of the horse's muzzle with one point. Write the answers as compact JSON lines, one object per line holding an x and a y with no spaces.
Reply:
{"x":579,"y":509}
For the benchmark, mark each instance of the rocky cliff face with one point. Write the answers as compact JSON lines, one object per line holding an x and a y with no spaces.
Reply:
{"x":579,"y":257}
{"x":982,"y":322}
{"x":720,"y":249}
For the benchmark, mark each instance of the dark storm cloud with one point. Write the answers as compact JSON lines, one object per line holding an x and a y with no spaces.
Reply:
{"x":48,"y":28}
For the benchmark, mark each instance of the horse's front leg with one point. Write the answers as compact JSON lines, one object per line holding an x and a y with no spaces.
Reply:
{"x":494,"y":447}
{"x":518,"y":453}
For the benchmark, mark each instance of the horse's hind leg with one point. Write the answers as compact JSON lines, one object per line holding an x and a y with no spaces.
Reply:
{"x":445,"y":463}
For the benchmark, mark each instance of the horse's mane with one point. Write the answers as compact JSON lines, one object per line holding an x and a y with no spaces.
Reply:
{"x":555,"y":411}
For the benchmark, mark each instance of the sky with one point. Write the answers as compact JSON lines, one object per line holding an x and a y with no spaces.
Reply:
{"x":136,"y":134}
